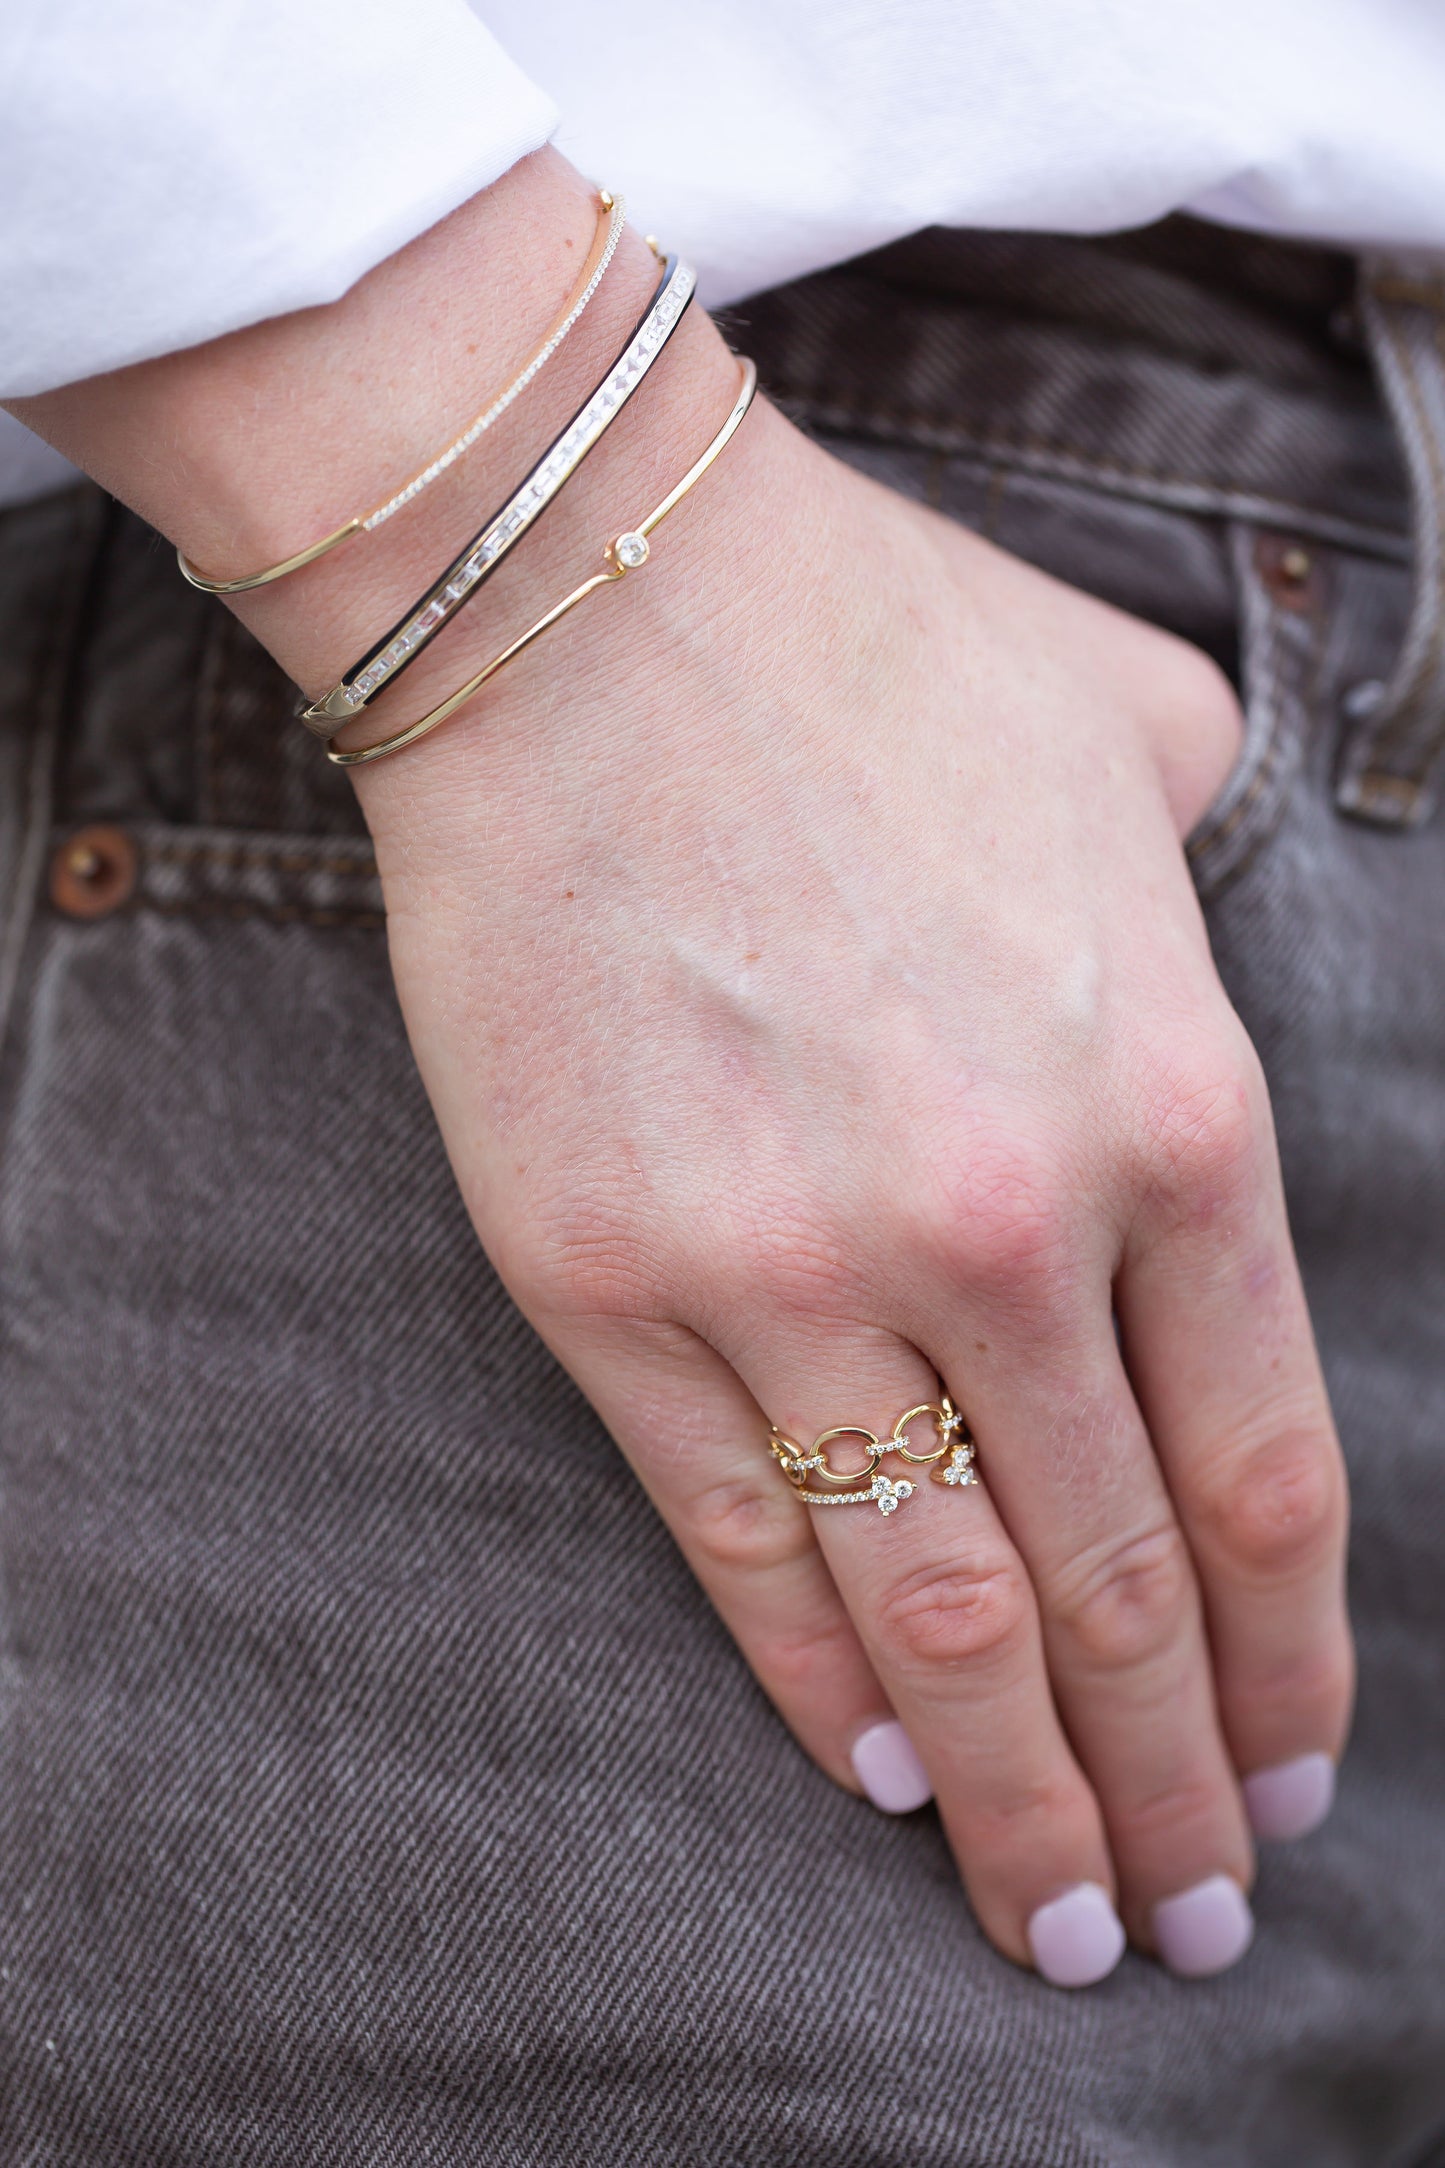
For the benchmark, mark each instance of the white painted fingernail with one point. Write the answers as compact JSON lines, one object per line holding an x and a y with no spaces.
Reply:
{"x":1204,"y":1929}
{"x":1292,"y":1798}
{"x":1078,"y":1938}
{"x":887,"y":1767}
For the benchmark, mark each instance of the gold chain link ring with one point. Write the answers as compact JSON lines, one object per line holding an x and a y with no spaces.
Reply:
{"x":952,"y":1460}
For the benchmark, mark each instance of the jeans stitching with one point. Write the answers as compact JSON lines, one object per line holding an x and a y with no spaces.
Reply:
{"x":285,"y":860}
{"x":49,"y":681}
{"x":991,"y":445}
{"x":1289,"y":676}
{"x":283,"y":914}
{"x":1393,"y":751}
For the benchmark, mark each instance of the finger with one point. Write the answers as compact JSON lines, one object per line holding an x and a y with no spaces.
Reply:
{"x":943,"y":1606}
{"x":698,"y":1444}
{"x":1222,"y":1355}
{"x":1064,"y":1449}
{"x":1008,"y":1289}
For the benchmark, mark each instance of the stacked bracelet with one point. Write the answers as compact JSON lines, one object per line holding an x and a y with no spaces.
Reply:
{"x":610,"y":220}
{"x":624,"y":554}
{"x":399,"y":648}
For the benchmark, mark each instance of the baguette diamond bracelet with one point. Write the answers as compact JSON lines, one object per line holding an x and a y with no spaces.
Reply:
{"x":479,"y":560}
{"x":625,"y":553}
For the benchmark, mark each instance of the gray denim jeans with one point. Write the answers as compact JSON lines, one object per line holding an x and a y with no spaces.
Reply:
{"x":377,"y":1787}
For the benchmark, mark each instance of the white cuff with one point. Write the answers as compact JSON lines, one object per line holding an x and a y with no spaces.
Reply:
{"x":174,"y":169}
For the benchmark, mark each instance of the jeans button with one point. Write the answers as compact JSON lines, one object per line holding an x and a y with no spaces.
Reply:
{"x":93,"y":872}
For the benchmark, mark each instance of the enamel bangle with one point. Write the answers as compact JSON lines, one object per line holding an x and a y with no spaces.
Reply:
{"x":626,"y":553}
{"x":611,"y":217}
{"x":479,"y":560}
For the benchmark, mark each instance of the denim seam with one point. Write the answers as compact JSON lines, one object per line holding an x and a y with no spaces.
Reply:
{"x":287,"y":861}
{"x":50,"y":679}
{"x":1429,"y":660}
{"x":1286,"y":653}
{"x":1216,"y":500}
{"x":281,"y":914}
{"x":1266,"y":773}
{"x":1390,"y":750}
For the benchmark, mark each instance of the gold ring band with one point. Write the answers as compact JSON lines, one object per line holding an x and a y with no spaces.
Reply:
{"x":867,"y":1486}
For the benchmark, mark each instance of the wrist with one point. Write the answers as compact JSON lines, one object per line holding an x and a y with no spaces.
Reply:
{"x":251,"y":448}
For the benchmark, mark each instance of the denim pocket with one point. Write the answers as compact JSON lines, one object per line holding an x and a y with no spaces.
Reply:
{"x":1283,"y":591}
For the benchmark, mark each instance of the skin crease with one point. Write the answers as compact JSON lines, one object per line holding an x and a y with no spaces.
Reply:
{"x":800,"y":955}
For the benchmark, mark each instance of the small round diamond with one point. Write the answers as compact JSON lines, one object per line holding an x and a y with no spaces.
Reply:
{"x":631,"y":550}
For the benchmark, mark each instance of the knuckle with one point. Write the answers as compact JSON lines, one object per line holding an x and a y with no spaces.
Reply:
{"x":735,"y":1526}
{"x":1283,"y":1694}
{"x":1278,"y":1510}
{"x":587,"y":1258}
{"x":1204,"y":1138}
{"x":1003,"y":1224}
{"x":951,"y":1617}
{"x":1168,"y":1813}
{"x":1133,"y":1604}
{"x":804,"y":1666}
{"x":1025,"y":1816}
{"x":795,"y":1266}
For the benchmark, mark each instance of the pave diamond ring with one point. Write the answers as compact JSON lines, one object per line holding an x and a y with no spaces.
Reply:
{"x":950,"y":1460}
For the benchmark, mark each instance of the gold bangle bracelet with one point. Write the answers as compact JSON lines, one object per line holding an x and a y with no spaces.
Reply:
{"x":625,"y":553}
{"x":611,"y":217}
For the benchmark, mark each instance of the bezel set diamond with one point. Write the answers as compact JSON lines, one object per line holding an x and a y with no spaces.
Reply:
{"x":629,"y":551}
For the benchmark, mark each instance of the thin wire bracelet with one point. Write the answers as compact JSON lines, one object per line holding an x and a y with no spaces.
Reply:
{"x":397,"y":649}
{"x":611,"y":218}
{"x":624,"y":554}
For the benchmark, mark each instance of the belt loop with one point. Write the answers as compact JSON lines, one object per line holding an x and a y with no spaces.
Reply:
{"x":1388,"y":771}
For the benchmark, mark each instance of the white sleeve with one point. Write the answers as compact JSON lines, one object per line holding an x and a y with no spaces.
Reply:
{"x":174,"y":169}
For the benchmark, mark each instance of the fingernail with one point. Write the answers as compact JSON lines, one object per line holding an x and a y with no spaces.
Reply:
{"x":1204,"y":1929}
{"x":889,"y":1770}
{"x":1292,"y":1798}
{"x":1078,"y":1938}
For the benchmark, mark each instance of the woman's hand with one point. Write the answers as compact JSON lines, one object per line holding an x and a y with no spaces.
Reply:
{"x":800,"y":955}
{"x":801,"y":959}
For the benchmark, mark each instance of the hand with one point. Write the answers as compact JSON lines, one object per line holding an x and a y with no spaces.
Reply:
{"x":800,"y":955}
{"x":801,"y":959}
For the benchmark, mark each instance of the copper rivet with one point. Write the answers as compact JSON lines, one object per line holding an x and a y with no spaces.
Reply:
{"x":93,"y":873}
{"x":1294,"y":564}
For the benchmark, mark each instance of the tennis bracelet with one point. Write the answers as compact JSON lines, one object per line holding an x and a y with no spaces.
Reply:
{"x":611,"y":217}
